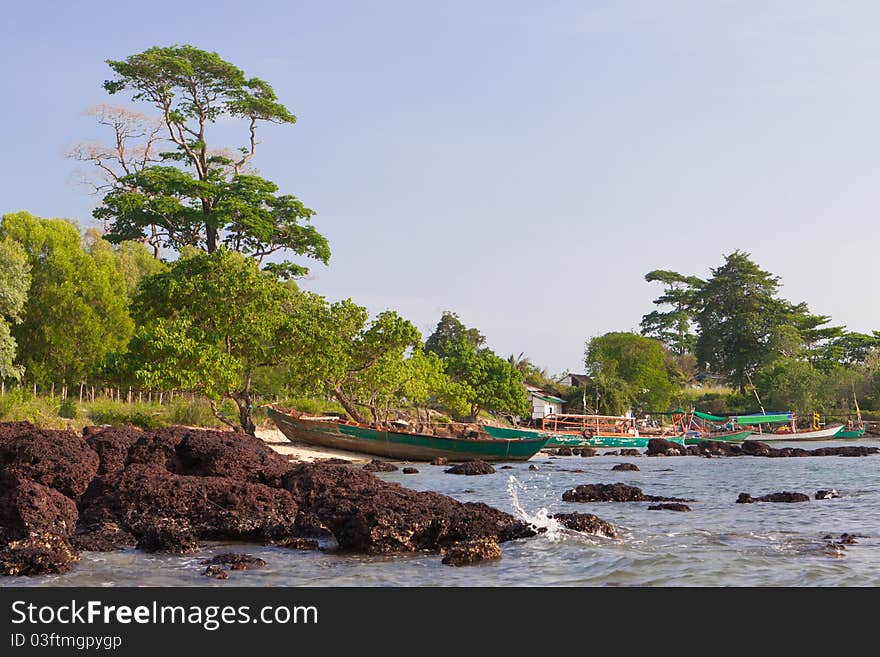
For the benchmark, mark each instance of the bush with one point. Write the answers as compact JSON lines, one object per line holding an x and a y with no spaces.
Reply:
{"x":195,"y":413}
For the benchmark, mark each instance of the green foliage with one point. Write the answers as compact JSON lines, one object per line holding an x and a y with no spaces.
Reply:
{"x":488,"y":382}
{"x":673,"y":327}
{"x":208,"y":323}
{"x":202,"y":196}
{"x":628,"y":370}
{"x":14,"y":284}
{"x":450,"y":331}
{"x":76,"y":310}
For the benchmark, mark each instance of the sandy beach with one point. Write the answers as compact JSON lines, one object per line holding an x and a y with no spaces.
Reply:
{"x":279,"y":442}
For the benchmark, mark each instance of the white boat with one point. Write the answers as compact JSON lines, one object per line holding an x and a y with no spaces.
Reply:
{"x":816,"y":434}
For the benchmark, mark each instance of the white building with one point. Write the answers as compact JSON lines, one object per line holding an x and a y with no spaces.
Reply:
{"x":543,"y":403}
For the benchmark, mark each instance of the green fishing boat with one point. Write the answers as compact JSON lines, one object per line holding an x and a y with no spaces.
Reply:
{"x":698,"y":427}
{"x":582,"y":431}
{"x":697,"y":437}
{"x":851,"y":433}
{"x":335,"y":433}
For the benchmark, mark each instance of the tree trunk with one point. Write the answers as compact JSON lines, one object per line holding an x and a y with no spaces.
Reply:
{"x":348,"y":406}
{"x":245,"y":406}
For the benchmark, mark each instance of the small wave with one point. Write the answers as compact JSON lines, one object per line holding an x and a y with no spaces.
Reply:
{"x":540,"y":519}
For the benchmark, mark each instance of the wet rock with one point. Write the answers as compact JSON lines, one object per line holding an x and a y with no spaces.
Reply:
{"x":297,"y":543}
{"x":851,"y":450}
{"x":471,"y":552}
{"x":234,"y":455}
{"x":366,"y":514}
{"x":471,"y":468}
{"x":826,"y":494}
{"x":587,"y":523}
{"x":236,"y":561}
{"x":533,"y":467}
{"x":658,"y":446}
{"x":755,"y":448}
{"x":57,"y":459}
{"x":36,"y":523}
{"x":670,"y":507}
{"x":613,"y":493}
{"x":611,"y":453}
{"x":564,"y":451}
{"x":626,"y":467}
{"x":630,"y":452}
{"x":414,"y":470}
{"x":588,"y":451}
{"x":785,"y":496}
{"x":848,"y":539}
{"x":169,"y":512}
{"x":111,"y":444}
{"x":215,"y":571}
{"x":440,"y":460}
{"x":714,"y":448}
{"x":377,"y":465}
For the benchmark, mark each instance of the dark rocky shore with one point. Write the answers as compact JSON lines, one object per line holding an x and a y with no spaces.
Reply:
{"x":663,"y":447}
{"x":167,"y":490}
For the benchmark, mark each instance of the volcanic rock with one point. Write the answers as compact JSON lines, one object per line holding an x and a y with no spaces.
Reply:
{"x":612,"y":493}
{"x":297,"y":543}
{"x":215,"y":571}
{"x":236,"y":561}
{"x":657,"y":446}
{"x":669,"y":507}
{"x":470,"y":552}
{"x":366,"y":514}
{"x":587,"y":523}
{"x":413,"y":470}
{"x":440,"y":460}
{"x":471,"y":468}
{"x":626,"y":467}
{"x":630,"y":452}
{"x":377,"y":465}
{"x":826,"y":494}
{"x":588,"y":451}
{"x":785,"y":496}
{"x":57,"y":459}
{"x":564,"y":451}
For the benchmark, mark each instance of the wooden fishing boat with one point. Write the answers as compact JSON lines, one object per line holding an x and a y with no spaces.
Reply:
{"x":572,"y":430}
{"x":340,"y":434}
{"x":697,"y":427}
{"x":789,"y":431}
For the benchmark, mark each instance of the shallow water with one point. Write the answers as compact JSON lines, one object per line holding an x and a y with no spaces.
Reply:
{"x":720,"y":543}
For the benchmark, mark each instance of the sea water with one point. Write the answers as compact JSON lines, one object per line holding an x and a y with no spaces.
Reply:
{"x":719,"y":543}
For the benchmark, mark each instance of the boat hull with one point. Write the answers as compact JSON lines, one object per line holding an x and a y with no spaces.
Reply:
{"x":821,"y":434}
{"x":576,"y":440}
{"x":728,"y":437}
{"x":400,"y":445}
{"x":852,"y":433}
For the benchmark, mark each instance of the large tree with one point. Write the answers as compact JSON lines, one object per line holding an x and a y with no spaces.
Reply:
{"x":76,"y":310}
{"x":740,"y":313}
{"x":674,"y":327}
{"x":628,"y":370}
{"x":449,"y":331}
{"x":209,"y":323}
{"x":14,"y":283}
{"x":202,"y":194}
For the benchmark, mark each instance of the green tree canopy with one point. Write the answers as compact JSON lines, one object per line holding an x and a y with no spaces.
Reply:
{"x":209,"y":323}
{"x":674,"y":327}
{"x":203,"y":195}
{"x":630,"y":370}
{"x":14,"y":283}
{"x":76,"y":310}
{"x":488,"y":381}
{"x":450,"y":330}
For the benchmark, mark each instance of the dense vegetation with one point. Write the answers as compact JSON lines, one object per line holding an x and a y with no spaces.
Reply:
{"x":185,"y":308}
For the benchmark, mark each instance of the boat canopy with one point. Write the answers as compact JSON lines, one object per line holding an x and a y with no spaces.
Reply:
{"x":711,"y":418}
{"x":761,"y":418}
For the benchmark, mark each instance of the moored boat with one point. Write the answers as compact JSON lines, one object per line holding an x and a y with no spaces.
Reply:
{"x":572,"y":430}
{"x":698,"y":427}
{"x":335,"y":433}
{"x":789,"y":431}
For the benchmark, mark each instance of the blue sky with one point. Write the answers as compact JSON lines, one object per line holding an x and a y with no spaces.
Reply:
{"x":522,"y":163}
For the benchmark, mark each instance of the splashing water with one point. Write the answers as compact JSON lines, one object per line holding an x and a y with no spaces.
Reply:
{"x":540,"y":519}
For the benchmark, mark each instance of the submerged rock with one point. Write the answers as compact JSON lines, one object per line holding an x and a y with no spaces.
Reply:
{"x":237,"y":561}
{"x":658,"y":446}
{"x":630,"y":452}
{"x":826,"y":494}
{"x":298,"y":543}
{"x":215,"y":571}
{"x":410,"y":471}
{"x":564,"y":451}
{"x":587,"y":523}
{"x":440,"y":460}
{"x":533,"y":467}
{"x":785,"y":496}
{"x":613,"y":493}
{"x":471,"y":468}
{"x":626,"y":467}
{"x":377,"y":465}
{"x":470,"y":552}
{"x":670,"y":507}
{"x":589,"y":451}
